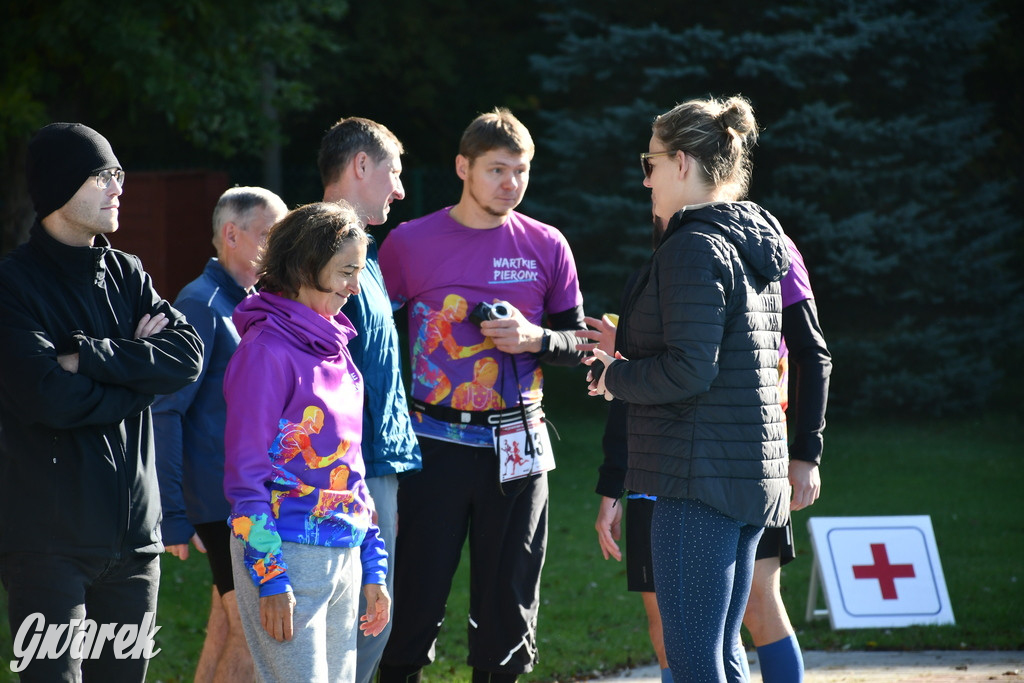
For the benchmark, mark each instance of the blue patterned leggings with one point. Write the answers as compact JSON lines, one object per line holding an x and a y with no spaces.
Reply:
{"x":703,"y":564}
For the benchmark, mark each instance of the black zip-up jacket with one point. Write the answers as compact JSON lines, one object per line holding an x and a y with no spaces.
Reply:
{"x":701,"y":331}
{"x":76,"y":449}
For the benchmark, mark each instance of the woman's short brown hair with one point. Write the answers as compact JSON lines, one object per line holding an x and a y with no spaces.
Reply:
{"x":300,"y":245}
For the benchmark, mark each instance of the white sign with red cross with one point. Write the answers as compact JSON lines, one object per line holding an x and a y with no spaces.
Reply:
{"x":878,"y":572}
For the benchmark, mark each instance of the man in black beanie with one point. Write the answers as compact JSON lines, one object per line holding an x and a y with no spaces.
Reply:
{"x":87,"y":344}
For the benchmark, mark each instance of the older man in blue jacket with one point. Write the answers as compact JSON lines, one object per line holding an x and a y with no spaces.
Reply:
{"x":190,"y":423}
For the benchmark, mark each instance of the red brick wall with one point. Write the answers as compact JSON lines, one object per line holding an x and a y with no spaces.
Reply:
{"x":165,"y":221}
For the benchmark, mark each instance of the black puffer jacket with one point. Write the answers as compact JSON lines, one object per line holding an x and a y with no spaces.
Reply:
{"x":701,"y":332}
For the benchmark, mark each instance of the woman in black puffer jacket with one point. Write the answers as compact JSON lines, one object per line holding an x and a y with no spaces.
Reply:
{"x":701,"y":334}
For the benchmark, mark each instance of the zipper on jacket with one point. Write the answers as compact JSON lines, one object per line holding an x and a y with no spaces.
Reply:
{"x":124,"y":494}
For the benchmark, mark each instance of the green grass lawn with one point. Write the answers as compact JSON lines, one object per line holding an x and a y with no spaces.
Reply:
{"x":966,"y":473}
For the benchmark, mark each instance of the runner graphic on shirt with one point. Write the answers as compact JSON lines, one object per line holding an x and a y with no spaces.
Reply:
{"x":294,"y":439}
{"x":479,"y":393}
{"x":259,"y":531}
{"x":435,"y":330}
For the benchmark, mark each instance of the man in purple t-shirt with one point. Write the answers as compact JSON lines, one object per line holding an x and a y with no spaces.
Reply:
{"x":490,"y":294}
{"x":804,"y":349}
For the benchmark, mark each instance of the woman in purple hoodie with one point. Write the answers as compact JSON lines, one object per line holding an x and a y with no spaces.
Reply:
{"x":294,"y":474}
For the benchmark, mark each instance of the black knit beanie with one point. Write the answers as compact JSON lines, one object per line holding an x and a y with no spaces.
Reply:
{"x":60,"y":157}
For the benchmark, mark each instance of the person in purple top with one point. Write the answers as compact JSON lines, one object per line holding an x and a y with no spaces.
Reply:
{"x":490,"y":293}
{"x":294,"y":475}
{"x":803,"y":351}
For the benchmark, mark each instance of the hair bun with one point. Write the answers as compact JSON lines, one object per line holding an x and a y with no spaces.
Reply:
{"x":737,"y":120}
{"x":719,"y":132}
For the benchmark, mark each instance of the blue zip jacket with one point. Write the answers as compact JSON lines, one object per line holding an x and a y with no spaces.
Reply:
{"x":389,"y":444}
{"x":189,"y":424}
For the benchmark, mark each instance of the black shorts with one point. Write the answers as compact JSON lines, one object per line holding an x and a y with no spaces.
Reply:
{"x":216,"y":537}
{"x":639,"y":567}
{"x":775,"y":542}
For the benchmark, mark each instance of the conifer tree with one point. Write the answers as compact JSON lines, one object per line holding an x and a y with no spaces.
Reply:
{"x":869,"y":156}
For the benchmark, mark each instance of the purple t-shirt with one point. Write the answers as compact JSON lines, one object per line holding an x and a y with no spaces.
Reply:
{"x":441,"y":270}
{"x":796,"y":287}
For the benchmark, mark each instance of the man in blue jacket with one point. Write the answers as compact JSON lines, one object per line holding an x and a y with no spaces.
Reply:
{"x":360,"y":162}
{"x":190,"y":423}
{"x":87,"y":344}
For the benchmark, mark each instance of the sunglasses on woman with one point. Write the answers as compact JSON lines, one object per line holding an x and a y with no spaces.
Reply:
{"x":646,"y":164}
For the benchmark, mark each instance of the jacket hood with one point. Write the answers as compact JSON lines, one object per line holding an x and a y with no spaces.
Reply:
{"x":757,"y":235}
{"x":294,"y":322}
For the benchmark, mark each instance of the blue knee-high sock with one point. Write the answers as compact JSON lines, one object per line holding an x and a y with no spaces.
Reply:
{"x":666,"y":675}
{"x":781,"y":661}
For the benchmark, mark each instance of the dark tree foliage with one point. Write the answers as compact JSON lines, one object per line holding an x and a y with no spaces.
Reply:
{"x":425,"y":69}
{"x":872,"y":156}
{"x":166,"y":82}
{"x":891,"y":154}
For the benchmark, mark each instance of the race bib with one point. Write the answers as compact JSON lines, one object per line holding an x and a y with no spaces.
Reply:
{"x":520,"y":455}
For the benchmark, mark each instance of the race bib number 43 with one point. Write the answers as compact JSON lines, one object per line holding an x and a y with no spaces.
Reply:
{"x":523,"y":452}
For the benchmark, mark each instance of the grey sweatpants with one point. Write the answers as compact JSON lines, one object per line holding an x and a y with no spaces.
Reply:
{"x":384,"y":491}
{"x":327,"y":583}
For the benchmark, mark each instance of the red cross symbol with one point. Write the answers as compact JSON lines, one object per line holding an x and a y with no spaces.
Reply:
{"x":884,"y":572}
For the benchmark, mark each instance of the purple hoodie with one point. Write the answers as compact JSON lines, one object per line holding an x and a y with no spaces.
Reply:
{"x":293,"y":466}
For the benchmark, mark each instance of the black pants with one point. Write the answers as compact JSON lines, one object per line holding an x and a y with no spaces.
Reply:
{"x":216,"y":537}
{"x":455,"y":495}
{"x":61,"y":588}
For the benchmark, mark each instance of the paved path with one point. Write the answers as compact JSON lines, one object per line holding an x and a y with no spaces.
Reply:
{"x":883,"y":667}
